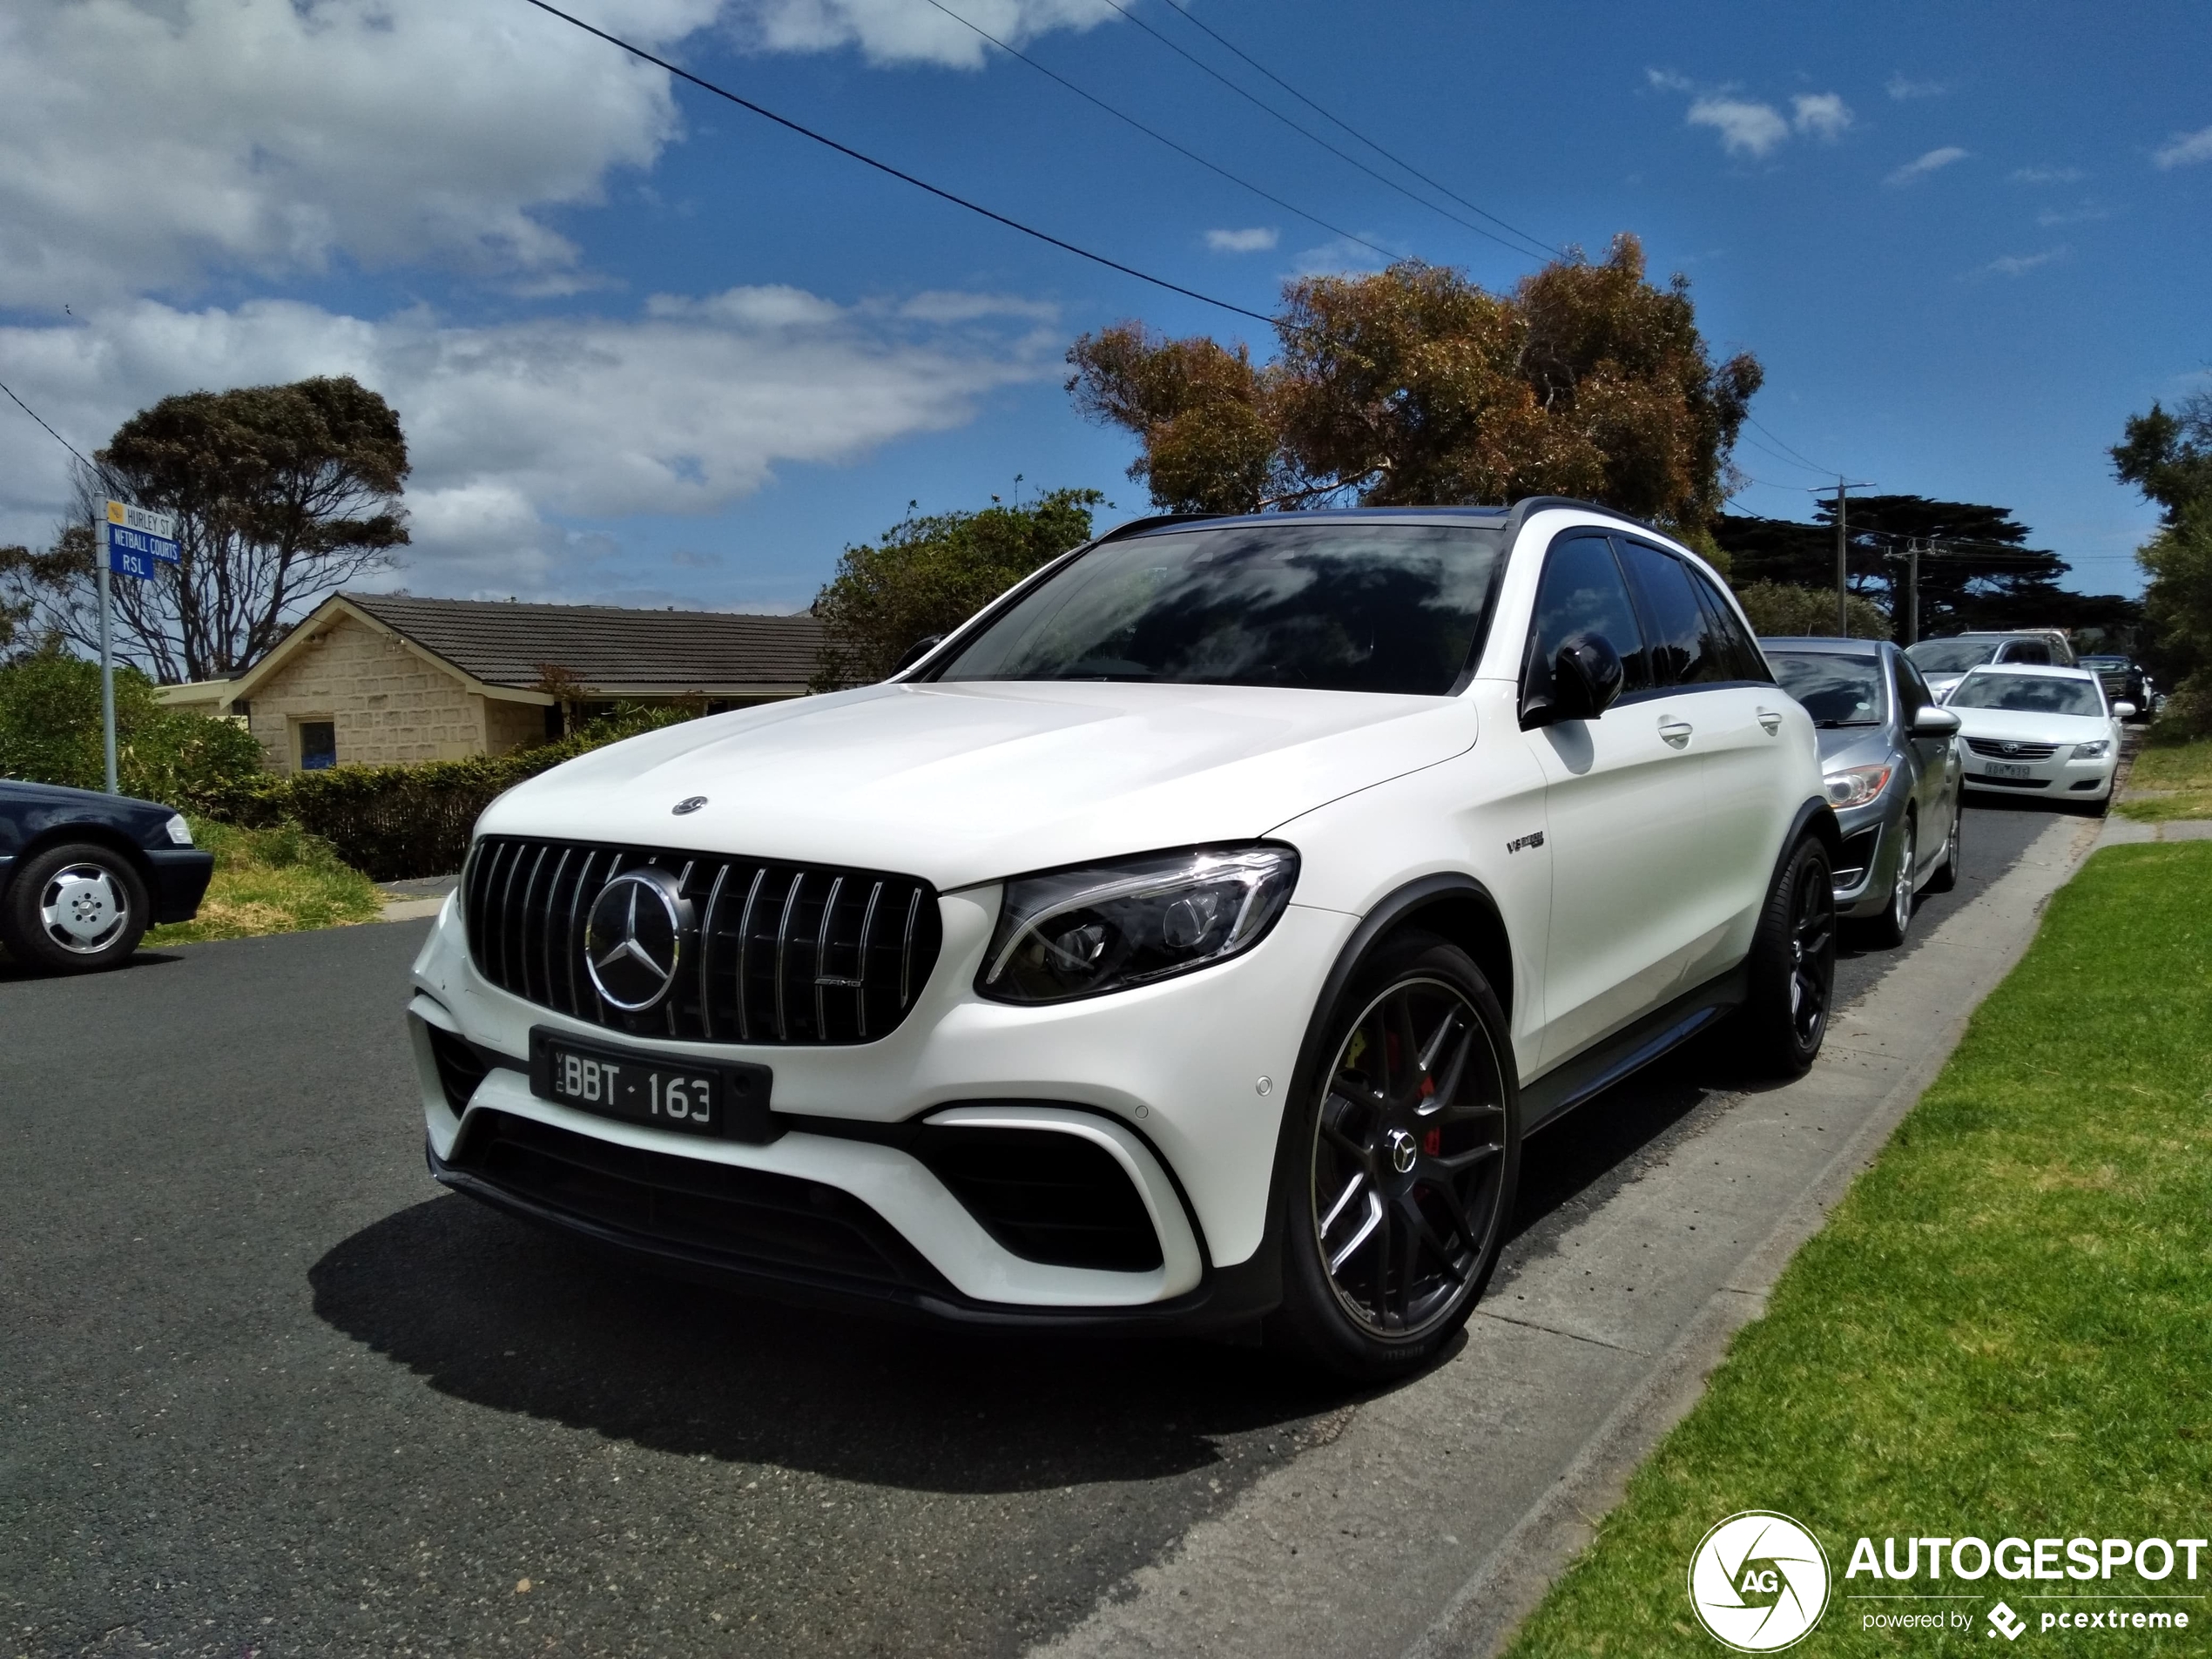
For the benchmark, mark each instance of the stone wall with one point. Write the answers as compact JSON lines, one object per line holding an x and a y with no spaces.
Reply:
{"x":509,"y":726}
{"x":387,"y":703}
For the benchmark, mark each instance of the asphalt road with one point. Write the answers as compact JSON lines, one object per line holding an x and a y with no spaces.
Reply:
{"x":266,"y":1391}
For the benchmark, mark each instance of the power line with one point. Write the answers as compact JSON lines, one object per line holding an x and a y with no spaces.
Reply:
{"x":1315,"y":138}
{"x":1797,"y":453}
{"x":51,"y":432}
{"x":1162,"y":137}
{"x":847,"y":150}
{"x":1192,"y":18}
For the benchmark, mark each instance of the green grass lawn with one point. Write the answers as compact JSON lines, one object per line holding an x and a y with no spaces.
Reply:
{"x":272,"y":882}
{"x":2006,"y":1328}
{"x":2182,"y":772}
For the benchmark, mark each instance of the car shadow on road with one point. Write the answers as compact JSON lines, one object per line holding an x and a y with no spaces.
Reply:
{"x":13,"y":972}
{"x":491,"y":1311}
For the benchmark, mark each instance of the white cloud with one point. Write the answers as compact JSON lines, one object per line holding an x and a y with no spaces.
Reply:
{"x":1920,"y":166}
{"x":1750,"y":126}
{"x":1259,"y":239}
{"x":1902,"y":88}
{"x":909,"y":31}
{"x":1746,"y":129}
{"x":269,"y":136}
{"x":2087,"y":214}
{"x":684,"y":410}
{"x":2184,"y":149}
{"x":1824,"y":115}
{"x":2014,"y":264}
{"x":2046,"y":175}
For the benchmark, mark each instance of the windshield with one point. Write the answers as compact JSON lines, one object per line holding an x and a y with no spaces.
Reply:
{"x":2029,"y":694}
{"x":1835,"y":689}
{"x":2103,"y":664}
{"x":1951,"y":656}
{"x":1336,"y":607}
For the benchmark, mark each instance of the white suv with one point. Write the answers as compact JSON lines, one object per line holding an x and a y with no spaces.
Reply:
{"x":1195,"y":934}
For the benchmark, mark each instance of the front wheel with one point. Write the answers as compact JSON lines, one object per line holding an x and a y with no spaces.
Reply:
{"x":1946,"y":874}
{"x":1890,"y":927}
{"x":1405,"y":1155}
{"x":1792,"y":968}
{"x":74,"y":909}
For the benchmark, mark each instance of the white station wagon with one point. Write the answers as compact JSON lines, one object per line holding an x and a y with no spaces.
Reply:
{"x":1193,"y":935}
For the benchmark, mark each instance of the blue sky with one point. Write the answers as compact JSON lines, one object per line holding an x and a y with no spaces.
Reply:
{"x":651,"y":349}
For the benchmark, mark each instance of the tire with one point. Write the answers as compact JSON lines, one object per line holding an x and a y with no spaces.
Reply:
{"x":1400,"y":1174}
{"x":74,"y":909}
{"x":1792,"y":965}
{"x":1888,"y":930}
{"x":1946,"y":874}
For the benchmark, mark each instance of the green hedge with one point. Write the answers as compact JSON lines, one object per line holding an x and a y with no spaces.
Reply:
{"x":394,"y":822}
{"x":49,"y":734}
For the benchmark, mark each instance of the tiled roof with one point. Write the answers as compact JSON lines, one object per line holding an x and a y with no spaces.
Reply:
{"x":604,"y":645}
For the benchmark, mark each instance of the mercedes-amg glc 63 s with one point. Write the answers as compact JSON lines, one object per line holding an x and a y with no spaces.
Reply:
{"x":1195,"y":934}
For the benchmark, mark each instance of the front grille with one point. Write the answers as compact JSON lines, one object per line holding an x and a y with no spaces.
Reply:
{"x":1998,"y":749}
{"x":743,"y":1219}
{"x":784,"y":953}
{"x":1046,"y":1196}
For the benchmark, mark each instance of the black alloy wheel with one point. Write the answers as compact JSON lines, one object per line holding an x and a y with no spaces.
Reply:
{"x":1792,"y":965}
{"x":1405,"y":1161}
{"x":1945,"y":875}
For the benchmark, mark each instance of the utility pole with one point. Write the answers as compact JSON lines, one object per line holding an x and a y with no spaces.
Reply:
{"x":107,"y":652}
{"x":1913,"y":593}
{"x":1843,"y":548}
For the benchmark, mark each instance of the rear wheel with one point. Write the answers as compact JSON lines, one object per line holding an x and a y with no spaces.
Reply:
{"x":1404,"y":1161}
{"x":1792,"y":964}
{"x":74,"y":909}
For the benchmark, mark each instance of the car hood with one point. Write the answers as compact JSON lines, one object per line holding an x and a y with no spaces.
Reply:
{"x":1852,"y":745}
{"x":2032,"y":728}
{"x":966,"y":782}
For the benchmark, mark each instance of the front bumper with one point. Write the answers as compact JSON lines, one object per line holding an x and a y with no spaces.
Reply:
{"x":1166,"y":1081}
{"x":2060,"y":778}
{"x":180,"y":878}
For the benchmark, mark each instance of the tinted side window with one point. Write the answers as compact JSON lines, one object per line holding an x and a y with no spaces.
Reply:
{"x":1582,"y":592}
{"x":1681,"y":649}
{"x":1738,"y":652}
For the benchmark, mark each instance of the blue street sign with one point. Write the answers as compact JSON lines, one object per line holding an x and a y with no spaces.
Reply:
{"x":121,"y":538}
{"x":124,"y":562}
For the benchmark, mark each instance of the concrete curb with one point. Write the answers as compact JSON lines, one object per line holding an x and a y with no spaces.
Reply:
{"x":1436,"y":1519}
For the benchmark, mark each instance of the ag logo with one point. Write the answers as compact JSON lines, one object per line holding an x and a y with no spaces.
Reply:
{"x":1758,"y":1582}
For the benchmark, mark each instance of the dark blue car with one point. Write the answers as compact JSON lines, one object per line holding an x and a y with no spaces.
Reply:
{"x":82,"y":876}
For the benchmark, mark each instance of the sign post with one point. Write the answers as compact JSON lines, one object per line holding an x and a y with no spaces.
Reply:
{"x":127,"y":541}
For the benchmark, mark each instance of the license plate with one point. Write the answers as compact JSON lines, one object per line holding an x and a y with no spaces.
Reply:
{"x":1995,"y":769}
{"x":652,"y":1089}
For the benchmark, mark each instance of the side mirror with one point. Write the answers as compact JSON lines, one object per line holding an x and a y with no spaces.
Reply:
{"x":1586,"y":678}
{"x":916,"y":652}
{"x":2123,"y":710}
{"x":1932,"y":722}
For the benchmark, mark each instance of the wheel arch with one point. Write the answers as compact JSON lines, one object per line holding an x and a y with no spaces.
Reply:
{"x":100,"y":835}
{"x":1456,"y":906}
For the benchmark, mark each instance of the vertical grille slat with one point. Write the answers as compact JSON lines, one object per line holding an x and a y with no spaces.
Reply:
{"x":777,"y":975}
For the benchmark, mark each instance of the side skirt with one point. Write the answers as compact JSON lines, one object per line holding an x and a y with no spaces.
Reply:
{"x":1605,"y":1063}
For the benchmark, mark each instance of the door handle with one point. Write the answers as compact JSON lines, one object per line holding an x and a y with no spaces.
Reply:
{"x":1674,"y":731}
{"x":1771,"y":719}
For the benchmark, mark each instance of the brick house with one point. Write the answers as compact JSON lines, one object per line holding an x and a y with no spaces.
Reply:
{"x":371,"y":678}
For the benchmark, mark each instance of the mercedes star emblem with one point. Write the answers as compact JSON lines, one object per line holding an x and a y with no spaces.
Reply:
{"x":688,"y":804}
{"x":633,"y":943}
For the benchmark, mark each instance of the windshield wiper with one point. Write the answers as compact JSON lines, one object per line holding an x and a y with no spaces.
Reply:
{"x":1832,"y":726}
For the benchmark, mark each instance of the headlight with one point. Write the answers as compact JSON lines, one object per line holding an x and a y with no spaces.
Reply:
{"x":180,"y":831}
{"x":1106,"y":927}
{"x":2096,"y":750}
{"x":1855,"y":785}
